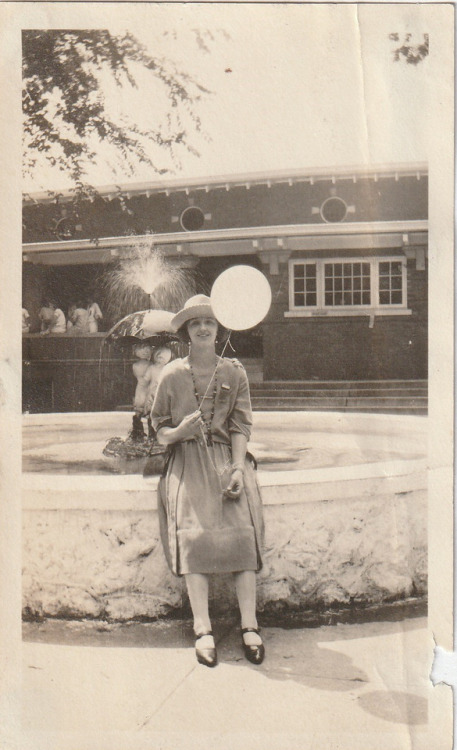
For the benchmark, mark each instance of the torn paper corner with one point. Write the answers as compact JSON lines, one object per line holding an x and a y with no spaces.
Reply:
{"x":444,"y":667}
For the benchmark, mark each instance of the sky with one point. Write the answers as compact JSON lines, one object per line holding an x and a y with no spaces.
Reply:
{"x":310,"y":86}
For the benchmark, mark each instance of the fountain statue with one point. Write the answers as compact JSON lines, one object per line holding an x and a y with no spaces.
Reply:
{"x":148,"y":335}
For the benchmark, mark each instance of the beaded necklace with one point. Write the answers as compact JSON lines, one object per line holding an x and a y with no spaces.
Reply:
{"x":207,"y":422}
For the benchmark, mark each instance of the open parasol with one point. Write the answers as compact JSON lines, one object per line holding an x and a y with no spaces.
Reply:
{"x":146,"y":326}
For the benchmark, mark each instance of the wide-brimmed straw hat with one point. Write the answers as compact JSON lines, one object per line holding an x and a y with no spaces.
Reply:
{"x":198,"y":306}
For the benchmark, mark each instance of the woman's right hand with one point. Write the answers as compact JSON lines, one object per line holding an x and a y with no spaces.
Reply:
{"x":190,"y":426}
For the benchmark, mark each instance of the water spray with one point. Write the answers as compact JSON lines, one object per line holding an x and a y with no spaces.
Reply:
{"x":145,"y":278}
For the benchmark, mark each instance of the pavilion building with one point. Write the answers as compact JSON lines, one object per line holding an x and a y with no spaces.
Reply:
{"x":344,"y":250}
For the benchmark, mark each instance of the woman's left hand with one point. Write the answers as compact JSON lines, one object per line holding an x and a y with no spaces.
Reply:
{"x":235,"y":485}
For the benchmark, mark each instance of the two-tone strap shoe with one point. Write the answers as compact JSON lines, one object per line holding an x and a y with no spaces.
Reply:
{"x":255,"y":654}
{"x":206,"y":656}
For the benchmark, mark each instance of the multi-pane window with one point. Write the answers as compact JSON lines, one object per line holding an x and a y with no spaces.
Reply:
{"x":349,"y":283}
{"x":390,"y":282}
{"x":305,"y":285}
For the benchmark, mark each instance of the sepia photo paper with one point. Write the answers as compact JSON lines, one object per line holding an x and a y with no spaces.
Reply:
{"x":227,"y":439}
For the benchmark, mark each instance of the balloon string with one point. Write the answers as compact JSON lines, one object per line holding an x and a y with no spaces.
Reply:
{"x":218,"y":471}
{"x":217,"y":365}
{"x":226,"y":344}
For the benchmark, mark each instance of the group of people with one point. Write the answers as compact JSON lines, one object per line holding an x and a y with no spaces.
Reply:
{"x":83,"y":318}
{"x":209,"y":504}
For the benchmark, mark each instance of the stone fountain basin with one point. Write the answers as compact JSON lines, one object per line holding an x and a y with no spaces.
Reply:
{"x":345,"y":513}
{"x":73,"y":443}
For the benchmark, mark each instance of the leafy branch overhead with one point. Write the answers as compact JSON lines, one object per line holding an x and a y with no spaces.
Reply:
{"x":412,"y":53}
{"x":66,"y":117}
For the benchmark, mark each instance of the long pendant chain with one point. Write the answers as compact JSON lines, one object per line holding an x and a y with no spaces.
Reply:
{"x":208,"y":422}
{"x":219,"y":471}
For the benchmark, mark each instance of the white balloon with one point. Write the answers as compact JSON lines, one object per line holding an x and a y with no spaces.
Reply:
{"x":240,"y":297}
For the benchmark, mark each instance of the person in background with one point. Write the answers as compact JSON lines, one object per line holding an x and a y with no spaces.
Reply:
{"x":52,"y":318}
{"x":25,"y":321}
{"x":95,"y":315}
{"x":78,"y":319}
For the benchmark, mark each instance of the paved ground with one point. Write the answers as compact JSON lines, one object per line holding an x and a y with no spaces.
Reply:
{"x":350,"y":686}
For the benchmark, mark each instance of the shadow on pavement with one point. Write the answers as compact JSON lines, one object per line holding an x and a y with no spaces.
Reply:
{"x":177,"y":633}
{"x":297,"y":655}
{"x":158,"y":634}
{"x":400,"y":708}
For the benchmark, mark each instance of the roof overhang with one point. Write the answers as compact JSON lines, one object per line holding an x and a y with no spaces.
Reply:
{"x":235,"y":241}
{"x":247,"y":180}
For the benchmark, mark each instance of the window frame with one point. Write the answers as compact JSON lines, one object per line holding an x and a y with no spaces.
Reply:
{"x":374,"y":308}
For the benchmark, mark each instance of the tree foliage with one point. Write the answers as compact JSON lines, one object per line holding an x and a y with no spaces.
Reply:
{"x":412,"y":53}
{"x":64,"y":106}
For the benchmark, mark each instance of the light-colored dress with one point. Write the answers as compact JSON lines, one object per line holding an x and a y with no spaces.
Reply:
{"x":54,"y":319}
{"x":202,"y":530}
{"x":95,"y":314}
{"x":80,"y":320}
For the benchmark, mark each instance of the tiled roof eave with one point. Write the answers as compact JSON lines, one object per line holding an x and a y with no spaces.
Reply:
{"x":247,"y":180}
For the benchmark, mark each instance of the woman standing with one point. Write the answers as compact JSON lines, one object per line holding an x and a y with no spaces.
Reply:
{"x":209,"y":502}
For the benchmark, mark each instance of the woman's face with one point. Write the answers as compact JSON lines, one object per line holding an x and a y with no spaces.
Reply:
{"x":202,"y":330}
{"x":162,"y":355}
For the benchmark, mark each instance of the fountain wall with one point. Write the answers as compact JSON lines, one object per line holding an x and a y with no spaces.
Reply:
{"x":349,"y":535}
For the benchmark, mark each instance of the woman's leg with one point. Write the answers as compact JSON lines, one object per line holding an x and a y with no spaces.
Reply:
{"x":245,"y":585}
{"x":198,"y":588}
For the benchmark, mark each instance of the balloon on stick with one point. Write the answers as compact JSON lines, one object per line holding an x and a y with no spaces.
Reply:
{"x":240,"y":297}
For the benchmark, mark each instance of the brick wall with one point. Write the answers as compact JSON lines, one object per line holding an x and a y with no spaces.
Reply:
{"x":346,"y":348}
